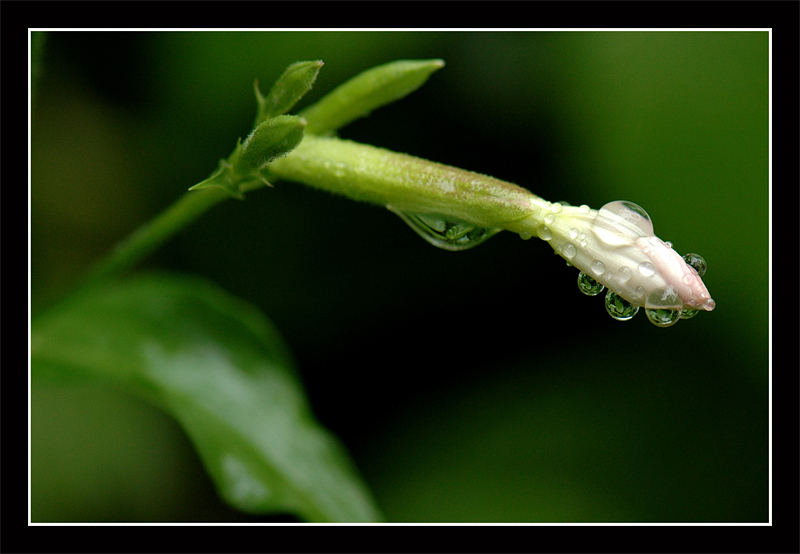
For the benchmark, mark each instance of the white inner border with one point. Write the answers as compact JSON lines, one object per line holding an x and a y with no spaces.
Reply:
{"x":410,"y":29}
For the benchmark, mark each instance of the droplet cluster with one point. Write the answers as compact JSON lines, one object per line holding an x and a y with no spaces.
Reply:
{"x":617,"y":224}
{"x":622,"y":310}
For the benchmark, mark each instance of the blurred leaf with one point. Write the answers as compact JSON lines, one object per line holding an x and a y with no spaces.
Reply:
{"x":219,"y":367}
{"x":368,"y":91}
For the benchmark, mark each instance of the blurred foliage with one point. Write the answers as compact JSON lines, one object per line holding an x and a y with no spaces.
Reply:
{"x":223,"y":371}
{"x":477,"y":385}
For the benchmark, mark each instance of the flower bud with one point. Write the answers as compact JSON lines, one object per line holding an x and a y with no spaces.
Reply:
{"x":269,"y":140}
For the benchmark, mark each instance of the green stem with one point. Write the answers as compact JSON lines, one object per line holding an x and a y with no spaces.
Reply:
{"x":154,"y":233}
{"x":361,"y":172}
{"x":410,"y":184}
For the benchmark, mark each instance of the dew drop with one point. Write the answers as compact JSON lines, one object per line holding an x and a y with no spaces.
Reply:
{"x":573,"y":233}
{"x":664,"y":299}
{"x":625,"y":274}
{"x":697,"y":262}
{"x":589,"y":286}
{"x":525,"y":235}
{"x":598,"y":267}
{"x":689,"y":313}
{"x":647,"y":269}
{"x":619,"y":308}
{"x":621,"y":222}
{"x":663,"y":317}
{"x":444,"y":232}
{"x":548,"y":219}
{"x":569,"y":250}
{"x":545,"y":233}
{"x":585,"y":209}
{"x":555,"y":208}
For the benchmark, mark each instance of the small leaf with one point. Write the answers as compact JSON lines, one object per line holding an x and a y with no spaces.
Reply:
{"x":290,"y":87}
{"x":220,"y":368}
{"x":367,"y":91}
{"x":222,"y":179}
{"x":271,"y":139}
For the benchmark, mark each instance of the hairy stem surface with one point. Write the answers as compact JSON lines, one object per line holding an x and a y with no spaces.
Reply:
{"x":409,"y":184}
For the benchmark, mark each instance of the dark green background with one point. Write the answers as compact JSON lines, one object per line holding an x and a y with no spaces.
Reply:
{"x":472,"y":386}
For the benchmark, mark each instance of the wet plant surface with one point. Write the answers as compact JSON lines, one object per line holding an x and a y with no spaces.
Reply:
{"x":468,"y":382}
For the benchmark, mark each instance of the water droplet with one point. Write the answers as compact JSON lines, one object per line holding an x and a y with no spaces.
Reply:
{"x":589,"y":286}
{"x":697,"y":262}
{"x":625,"y":274}
{"x":598,"y":267}
{"x":669,"y":244}
{"x":573,"y":233}
{"x":709,"y":304}
{"x":663,"y":318}
{"x":619,"y":308}
{"x":545,"y":233}
{"x":585,"y":209}
{"x":555,"y":208}
{"x":548,"y":219}
{"x":664,"y":299}
{"x":525,"y":236}
{"x":638,"y":292}
{"x":621,"y":222}
{"x":569,"y":250}
{"x":647,"y":269}
{"x":689,"y":313}
{"x":444,"y":232}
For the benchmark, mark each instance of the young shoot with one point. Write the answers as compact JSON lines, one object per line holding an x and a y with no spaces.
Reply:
{"x":613,"y":248}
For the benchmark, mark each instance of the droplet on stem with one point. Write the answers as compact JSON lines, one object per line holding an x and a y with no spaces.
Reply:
{"x":444,"y":232}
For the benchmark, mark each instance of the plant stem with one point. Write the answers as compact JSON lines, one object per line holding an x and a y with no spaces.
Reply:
{"x":361,"y":172}
{"x":154,"y":233}
{"x":410,"y":184}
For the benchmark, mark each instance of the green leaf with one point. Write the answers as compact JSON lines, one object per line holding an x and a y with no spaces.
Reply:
{"x":219,"y":367}
{"x":222,"y":178}
{"x":290,"y":87}
{"x":366,"y":92}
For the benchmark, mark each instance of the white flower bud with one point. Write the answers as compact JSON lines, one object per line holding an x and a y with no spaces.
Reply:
{"x":616,"y":246}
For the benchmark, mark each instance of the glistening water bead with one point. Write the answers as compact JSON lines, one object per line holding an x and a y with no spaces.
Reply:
{"x":589,"y":286}
{"x":618,"y":225}
{"x":619,"y":308}
{"x":689,"y":313}
{"x":444,"y":232}
{"x":697,"y":262}
{"x":663,"y":317}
